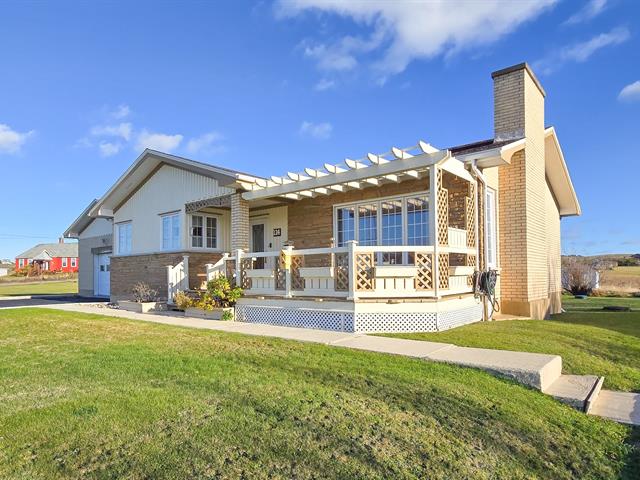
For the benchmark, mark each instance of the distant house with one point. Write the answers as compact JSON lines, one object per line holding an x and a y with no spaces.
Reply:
{"x":50,"y":257}
{"x":4,"y":270}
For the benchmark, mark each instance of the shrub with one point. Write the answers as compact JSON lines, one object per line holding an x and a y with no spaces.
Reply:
{"x":578,"y":278}
{"x":221,"y":293}
{"x":142,"y":292}
{"x":182,"y":300}
{"x":227,"y":316}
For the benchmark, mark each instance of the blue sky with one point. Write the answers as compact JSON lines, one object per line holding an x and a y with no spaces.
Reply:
{"x":270,"y":87}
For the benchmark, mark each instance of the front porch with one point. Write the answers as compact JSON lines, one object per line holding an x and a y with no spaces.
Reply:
{"x":390,"y":246}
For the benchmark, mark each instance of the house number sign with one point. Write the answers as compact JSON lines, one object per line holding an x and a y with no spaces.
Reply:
{"x":277,"y":232}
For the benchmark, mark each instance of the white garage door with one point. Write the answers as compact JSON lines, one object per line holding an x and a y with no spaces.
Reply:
{"x":102,"y":274}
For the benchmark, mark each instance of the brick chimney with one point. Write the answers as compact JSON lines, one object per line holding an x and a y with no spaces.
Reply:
{"x":524,"y":256}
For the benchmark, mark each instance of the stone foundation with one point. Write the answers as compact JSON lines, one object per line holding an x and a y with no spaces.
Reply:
{"x":126,"y":271}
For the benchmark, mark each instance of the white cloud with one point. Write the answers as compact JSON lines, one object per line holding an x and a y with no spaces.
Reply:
{"x":405,"y":29}
{"x":590,"y":10}
{"x":158,"y":141}
{"x":208,"y":143}
{"x":320,"y":131}
{"x":120,"y":130}
{"x":11,"y":141}
{"x":120,"y":112}
{"x":108,"y":149}
{"x":630,"y":93}
{"x":324,"y":84}
{"x":581,"y":52}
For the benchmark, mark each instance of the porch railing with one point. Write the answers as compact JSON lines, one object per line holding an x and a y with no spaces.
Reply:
{"x":353,"y":271}
{"x":177,"y":278}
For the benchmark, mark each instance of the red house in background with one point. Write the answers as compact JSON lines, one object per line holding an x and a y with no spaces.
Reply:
{"x":51,"y":257}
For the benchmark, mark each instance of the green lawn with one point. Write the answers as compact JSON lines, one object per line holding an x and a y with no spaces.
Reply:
{"x":39,"y":288}
{"x":589,"y":340}
{"x":99,"y":397}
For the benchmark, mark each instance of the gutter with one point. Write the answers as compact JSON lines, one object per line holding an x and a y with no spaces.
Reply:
{"x":479,"y":176}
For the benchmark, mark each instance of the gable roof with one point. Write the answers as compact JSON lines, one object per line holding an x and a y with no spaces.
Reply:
{"x":145,"y":166}
{"x":558,"y":175}
{"x":80,"y":223}
{"x":51,"y":249}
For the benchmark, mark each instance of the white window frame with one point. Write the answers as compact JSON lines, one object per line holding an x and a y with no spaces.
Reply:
{"x":205,"y":216}
{"x":20,"y":262}
{"x":173,"y":216}
{"x":74,"y":262}
{"x":65,"y":262}
{"x":378,"y":202}
{"x":491,"y":227}
{"x":128,"y":246}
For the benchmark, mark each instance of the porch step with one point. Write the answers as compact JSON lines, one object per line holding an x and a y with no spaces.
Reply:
{"x":623,"y":407}
{"x":577,"y":391}
{"x":535,"y":370}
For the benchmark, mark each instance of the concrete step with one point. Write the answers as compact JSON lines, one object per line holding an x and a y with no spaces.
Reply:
{"x":623,"y":407}
{"x":535,"y":370}
{"x":577,"y":391}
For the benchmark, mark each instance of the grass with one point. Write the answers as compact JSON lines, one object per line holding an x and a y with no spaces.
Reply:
{"x":625,"y":280}
{"x":98,"y":397}
{"x":39,"y":288}
{"x":589,"y":340}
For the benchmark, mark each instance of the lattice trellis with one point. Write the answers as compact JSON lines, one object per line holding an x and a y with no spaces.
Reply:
{"x":471,"y":261}
{"x":230,"y":270}
{"x":364,"y":271}
{"x":481,"y":213}
{"x":443,"y":212}
{"x":297,"y":282}
{"x":279,"y":273}
{"x":245,"y":264}
{"x":470,"y":212}
{"x":424,"y":271}
{"x":443,"y":270}
{"x":342,"y":272}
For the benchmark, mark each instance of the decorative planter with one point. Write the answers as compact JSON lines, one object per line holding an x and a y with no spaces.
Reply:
{"x":215,"y":314}
{"x":142,"y":307}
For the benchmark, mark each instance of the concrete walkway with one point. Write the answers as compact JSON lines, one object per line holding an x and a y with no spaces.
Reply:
{"x":539,"y":371}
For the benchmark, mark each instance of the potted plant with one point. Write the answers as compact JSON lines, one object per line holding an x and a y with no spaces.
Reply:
{"x":216,"y":302}
{"x":145,"y":299}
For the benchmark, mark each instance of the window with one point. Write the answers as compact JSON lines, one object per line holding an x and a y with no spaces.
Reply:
{"x":74,"y":262}
{"x":492,"y":260}
{"x":171,"y":231}
{"x":394,"y":221}
{"x":124,"y":238}
{"x":64,"y":263}
{"x":20,"y":262}
{"x":204,"y":231}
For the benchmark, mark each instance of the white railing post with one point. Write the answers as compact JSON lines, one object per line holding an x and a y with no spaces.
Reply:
{"x":288,"y":252}
{"x":239,"y":267}
{"x":185,"y":272}
{"x":433,"y":223}
{"x":351,"y":255}
{"x":169,"y":285}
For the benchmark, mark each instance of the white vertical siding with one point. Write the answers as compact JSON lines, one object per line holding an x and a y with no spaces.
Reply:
{"x":272,"y":218}
{"x":166,"y":191}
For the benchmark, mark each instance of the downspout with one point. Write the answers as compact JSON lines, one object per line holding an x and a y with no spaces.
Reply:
{"x":485,"y":234}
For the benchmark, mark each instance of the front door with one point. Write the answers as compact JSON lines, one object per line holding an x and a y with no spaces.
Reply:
{"x":102,"y":275}
{"x":257,"y":242}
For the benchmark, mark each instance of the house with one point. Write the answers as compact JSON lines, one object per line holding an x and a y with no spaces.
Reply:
{"x":390,"y":242}
{"x":50,"y":257}
{"x":94,"y":237}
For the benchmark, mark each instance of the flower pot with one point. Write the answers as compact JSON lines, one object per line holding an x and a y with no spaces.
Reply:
{"x":215,"y":314}
{"x":142,"y":307}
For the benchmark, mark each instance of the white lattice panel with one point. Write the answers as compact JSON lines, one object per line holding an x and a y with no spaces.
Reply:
{"x":456,"y":318}
{"x":396,"y":322}
{"x":293,"y":317}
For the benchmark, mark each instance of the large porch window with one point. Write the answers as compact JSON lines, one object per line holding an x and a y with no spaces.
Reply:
{"x":389,"y":221}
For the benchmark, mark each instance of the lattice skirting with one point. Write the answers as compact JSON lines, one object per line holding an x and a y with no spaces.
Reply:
{"x":294,"y":317}
{"x":346,"y":321}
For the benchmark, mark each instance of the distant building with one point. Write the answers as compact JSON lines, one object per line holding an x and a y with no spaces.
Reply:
{"x":50,"y":257}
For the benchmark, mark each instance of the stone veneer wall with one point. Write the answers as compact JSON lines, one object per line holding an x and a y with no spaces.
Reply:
{"x":239,"y":223}
{"x":126,"y":271}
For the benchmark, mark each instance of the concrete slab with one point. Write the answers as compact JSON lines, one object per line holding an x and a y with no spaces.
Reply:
{"x":574,"y":390}
{"x":623,"y":407}
{"x":396,"y":346}
{"x":533,"y":369}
